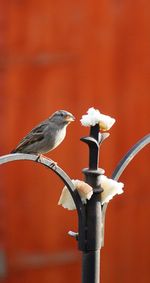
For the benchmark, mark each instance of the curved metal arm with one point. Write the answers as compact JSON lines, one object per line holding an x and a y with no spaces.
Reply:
{"x":51,"y":165}
{"x":129,"y":156}
{"x":121,"y":167}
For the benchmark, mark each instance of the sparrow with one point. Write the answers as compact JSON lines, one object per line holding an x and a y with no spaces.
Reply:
{"x":47,"y":135}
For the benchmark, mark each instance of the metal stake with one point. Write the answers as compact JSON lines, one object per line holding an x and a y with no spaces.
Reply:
{"x":93,"y":211}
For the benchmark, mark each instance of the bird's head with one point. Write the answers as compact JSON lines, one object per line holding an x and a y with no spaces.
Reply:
{"x":62,"y":117}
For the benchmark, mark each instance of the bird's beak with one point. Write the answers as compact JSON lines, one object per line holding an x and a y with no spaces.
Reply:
{"x":70,"y":118}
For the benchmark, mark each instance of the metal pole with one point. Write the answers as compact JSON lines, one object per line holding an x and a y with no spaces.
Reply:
{"x":91,"y":267}
{"x":93,"y":209}
{"x":91,"y":253}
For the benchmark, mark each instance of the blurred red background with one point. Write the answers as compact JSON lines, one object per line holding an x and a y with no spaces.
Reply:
{"x":73,"y":55}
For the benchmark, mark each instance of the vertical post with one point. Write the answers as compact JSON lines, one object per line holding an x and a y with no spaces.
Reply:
{"x":91,"y":267}
{"x":91,"y":251}
{"x":91,"y":254}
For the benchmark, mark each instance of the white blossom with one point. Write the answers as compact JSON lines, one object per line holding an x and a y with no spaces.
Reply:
{"x":85,"y":191}
{"x":110,"y":187}
{"x":94,"y":117}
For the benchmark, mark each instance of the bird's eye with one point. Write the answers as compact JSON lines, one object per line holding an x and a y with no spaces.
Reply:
{"x":61,"y":114}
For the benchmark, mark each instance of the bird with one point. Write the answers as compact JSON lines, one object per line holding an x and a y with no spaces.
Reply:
{"x":47,"y":135}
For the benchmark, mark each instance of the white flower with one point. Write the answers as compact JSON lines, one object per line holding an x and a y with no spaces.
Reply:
{"x":110,"y":187}
{"x":94,"y":117}
{"x":85,"y":191}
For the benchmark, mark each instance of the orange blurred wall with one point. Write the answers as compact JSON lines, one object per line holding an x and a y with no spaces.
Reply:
{"x":73,"y":55}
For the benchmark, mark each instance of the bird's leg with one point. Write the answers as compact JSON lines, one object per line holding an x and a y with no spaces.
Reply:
{"x":38,"y":157}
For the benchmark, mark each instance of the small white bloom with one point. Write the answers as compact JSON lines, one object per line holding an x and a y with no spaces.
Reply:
{"x":94,"y":117}
{"x":85,"y":191}
{"x":110,"y":187}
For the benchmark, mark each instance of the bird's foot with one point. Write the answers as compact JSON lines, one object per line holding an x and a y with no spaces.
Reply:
{"x":53,"y":164}
{"x":38,"y":158}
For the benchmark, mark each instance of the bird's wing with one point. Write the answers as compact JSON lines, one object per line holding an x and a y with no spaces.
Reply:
{"x":37,"y":134}
{"x":30,"y":139}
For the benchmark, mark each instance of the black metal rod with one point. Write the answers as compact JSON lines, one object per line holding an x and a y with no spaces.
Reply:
{"x":52,"y":166}
{"x":124,"y":162}
{"x":91,"y":251}
{"x":91,"y":254}
{"x":129,"y":156}
{"x":91,"y":266}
